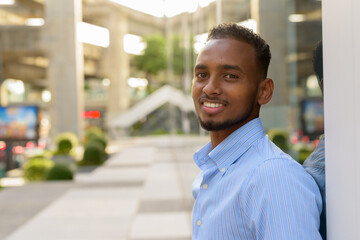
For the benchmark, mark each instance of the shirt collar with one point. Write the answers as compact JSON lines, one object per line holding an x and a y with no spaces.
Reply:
{"x":201,"y":157}
{"x":231,"y":148}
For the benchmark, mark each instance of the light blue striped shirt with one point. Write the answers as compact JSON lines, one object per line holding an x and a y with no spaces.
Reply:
{"x":249,"y":189}
{"x":315,"y":166}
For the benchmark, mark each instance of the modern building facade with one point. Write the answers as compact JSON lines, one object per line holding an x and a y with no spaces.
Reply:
{"x":40,"y":46}
{"x":291,"y":27}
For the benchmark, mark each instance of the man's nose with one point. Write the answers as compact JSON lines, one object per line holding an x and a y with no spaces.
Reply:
{"x":212,"y":87}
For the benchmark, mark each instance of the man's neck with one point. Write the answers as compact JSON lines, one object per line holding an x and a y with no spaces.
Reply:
{"x":218,"y":136}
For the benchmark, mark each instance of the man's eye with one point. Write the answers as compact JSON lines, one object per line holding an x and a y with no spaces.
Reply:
{"x":201,"y":75}
{"x":230,"y":76}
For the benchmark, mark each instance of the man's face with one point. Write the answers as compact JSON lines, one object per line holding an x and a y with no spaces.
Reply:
{"x":225,"y":85}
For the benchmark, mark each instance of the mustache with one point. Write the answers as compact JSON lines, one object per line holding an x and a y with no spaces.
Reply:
{"x":206,"y":98}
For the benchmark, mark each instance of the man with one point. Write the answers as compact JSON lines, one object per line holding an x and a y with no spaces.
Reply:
{"x":315,"y":163}
{"x":248,"y":188}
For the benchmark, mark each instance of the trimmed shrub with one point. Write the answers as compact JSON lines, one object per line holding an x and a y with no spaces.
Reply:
{"x":44,"y":154}
{"x":93,"y":154}
{"x":65,"y":159}
{"x":281,"y":142}
{"x":69,"y":136}
{"x":98,"y":140}
{"x":64,"y":146}
{"x":36,"y":169}
{"x":95,"y":133}
{"x":60,"y":171}
{"x":303,"y":154}
{"x":160,"y":132}
{"x":280,"y":138}
{"x":94,"y":136}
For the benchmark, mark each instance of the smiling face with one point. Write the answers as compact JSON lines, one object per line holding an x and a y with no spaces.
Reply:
{"x":226,"y":85}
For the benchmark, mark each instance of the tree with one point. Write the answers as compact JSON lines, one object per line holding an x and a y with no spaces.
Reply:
{"x":153,"y":59}
{"x":179,"y":55}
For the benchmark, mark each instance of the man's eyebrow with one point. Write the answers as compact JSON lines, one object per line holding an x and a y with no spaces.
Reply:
{"x":231,"y":67}
{"x":200,"y":66}
{"x":225,"y":66}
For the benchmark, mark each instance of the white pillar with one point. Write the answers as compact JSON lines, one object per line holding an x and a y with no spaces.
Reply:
{"x":65,"y":71}
{"x":341,"y":45}
{"x":187,"y":76}
{"x":116,"y":64}
{"x":170,"y":71}
{"x":280,"y":112}
{"x":218,"y":12}
{"x":254,"y":12}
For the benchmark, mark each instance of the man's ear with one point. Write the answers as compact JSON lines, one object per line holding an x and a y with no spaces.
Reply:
{"x":266,"y":88}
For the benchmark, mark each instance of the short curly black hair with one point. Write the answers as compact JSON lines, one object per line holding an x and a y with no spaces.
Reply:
{"x":237,"y":32}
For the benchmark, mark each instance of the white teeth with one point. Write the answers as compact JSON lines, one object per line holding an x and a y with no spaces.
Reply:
{"x":212,"y":105}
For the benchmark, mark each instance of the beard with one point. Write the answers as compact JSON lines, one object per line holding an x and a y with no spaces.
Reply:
{"x":240,"y":120}
{"x":213,"y":126}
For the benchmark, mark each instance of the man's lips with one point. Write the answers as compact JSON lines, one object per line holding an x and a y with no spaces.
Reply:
{"x":211,"y":106}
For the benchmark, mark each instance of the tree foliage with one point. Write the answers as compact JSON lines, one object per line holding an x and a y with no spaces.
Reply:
{"x":179,"y":55}
{"x":154,"y":58}
{"x":179,"y":52}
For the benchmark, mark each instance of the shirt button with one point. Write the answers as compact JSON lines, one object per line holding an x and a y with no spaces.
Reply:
{"x":205,"y":186}
{"x":222,"y":170}
{"x":198,"y":223}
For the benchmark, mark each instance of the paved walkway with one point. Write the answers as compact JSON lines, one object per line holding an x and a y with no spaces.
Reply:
{"x":143,"y":192}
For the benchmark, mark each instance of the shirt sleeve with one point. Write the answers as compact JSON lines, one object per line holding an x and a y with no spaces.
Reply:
{"x":281,"y":202}
{"x":315,"y":166}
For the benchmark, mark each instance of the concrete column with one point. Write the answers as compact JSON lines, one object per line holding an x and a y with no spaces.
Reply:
{"x":116,"y":65}
{"x":170,"y":71}
{"x":272,"y":25}
{"x":275,"y":13}
{"x":218,"y":12}
{"x":186,"y":32}
{"x":65,"y":71}
{"x":187,"y":76}
{"x":341,"y":46}
{"x":2,"y":101}
{"x":254,"y":12}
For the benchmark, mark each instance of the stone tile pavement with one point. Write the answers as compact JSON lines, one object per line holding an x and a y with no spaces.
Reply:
{"x":143,"y":192}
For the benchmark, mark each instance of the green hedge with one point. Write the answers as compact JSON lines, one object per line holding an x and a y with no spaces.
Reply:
{"x":94,"y":147}
{"x":64,"y":146}
{"x":93,"y":154}
{"x":94,"y":132}
{"x":36,"y":169}
{"x":65,"y":143}
{"x":60,"y":171}
{"x":303,"y":154}
{"x":280,"y":138}
{"x":69,"y":136}
{"x":98,"y":140}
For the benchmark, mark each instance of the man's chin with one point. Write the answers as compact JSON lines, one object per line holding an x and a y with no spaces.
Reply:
{"x":212,"y":126}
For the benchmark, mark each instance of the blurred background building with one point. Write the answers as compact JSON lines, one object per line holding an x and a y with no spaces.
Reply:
{"x":126,"y":66}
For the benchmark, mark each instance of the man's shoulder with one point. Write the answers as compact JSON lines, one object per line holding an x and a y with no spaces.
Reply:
{"x":279,"y":174}
{"x":265,"y":151}
{"x":271,"y":161}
